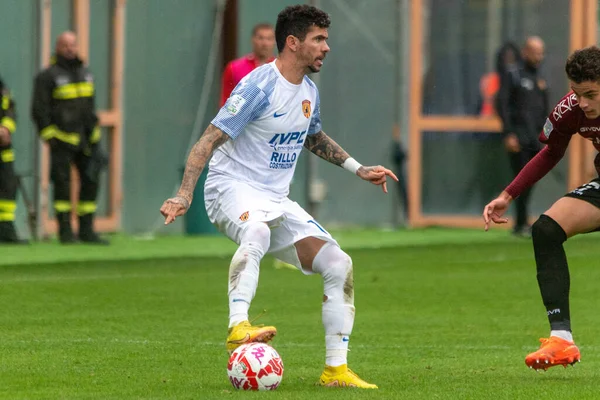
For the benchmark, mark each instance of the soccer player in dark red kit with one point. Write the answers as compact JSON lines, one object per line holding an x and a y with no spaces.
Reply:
{"x":577,"y":212}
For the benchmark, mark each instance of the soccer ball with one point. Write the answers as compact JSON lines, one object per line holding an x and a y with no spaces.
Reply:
{"x":255,"y":366}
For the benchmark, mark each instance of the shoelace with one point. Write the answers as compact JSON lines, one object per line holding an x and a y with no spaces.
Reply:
{"x":257,"y":317}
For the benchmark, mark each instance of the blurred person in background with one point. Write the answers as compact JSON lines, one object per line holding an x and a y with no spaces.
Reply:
{"x":256,"y":139}
{"x":484,"y":183}
{"x":522,"y":105}
{"x":8,"y":180}
{"x":577,"y":212}
{"x":65,"y":114}
{"x":507,"y":59}
{"x":263,"y":45}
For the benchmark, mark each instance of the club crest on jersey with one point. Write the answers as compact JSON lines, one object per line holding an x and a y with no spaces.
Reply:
{"x":244,"y":217}
{"x":306,"y":108}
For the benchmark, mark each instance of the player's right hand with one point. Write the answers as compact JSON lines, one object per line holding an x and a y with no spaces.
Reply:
{"x":4,"y":136}
{"x":494,"y":211}
{"x":173,"y":208}
{"x":511,"y":142}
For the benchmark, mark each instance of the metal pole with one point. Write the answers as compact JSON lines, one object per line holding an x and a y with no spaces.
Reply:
{"x":397,"y":99}
{"x":311,"y":164}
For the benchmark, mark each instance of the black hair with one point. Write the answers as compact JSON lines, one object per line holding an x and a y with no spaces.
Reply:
{"x":297,"y":21}
{"x":584,"y":65}
{"x":501,"y":67}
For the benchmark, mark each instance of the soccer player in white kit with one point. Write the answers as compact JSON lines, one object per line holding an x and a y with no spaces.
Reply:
{"x":255,"y":141}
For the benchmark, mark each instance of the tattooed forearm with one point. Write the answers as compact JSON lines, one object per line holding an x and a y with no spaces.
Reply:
{"x":212,"y":138}
{"x":326,"y":148}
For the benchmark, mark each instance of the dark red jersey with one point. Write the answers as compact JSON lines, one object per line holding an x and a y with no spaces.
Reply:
{"x":564,"y":121}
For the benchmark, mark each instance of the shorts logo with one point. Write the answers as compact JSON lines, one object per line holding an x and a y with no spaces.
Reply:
{"x":306,"y":108}
{"x":244,"y":217}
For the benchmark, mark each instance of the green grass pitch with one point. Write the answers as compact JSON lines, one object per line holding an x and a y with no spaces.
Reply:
{"x":441,"y":314}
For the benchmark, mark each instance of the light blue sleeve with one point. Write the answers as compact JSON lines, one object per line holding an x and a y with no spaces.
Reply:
{"x":315,"y":122}
{"x":246,"y":103}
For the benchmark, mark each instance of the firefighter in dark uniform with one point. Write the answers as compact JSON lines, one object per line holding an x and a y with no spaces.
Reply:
{"x":8,"y":180}
{"x":522,"y":105}
{"x":63,"y":109}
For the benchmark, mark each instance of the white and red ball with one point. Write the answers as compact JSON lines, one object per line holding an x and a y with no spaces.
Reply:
{"x":255,"y":366}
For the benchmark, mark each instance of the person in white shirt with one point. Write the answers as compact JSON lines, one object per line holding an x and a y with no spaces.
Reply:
{"x":255,"y":141}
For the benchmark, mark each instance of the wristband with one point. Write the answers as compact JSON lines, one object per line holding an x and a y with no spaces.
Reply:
{"x":351,"y":165}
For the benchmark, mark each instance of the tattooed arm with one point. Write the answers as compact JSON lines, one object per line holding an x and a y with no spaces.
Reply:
{"x":326,"y":148}
{"x":210,"y":140}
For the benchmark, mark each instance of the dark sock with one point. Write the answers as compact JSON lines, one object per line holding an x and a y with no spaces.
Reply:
{"x":552,"y":271}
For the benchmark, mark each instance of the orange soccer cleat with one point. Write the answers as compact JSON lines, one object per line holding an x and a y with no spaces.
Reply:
{"x":553,"y":351}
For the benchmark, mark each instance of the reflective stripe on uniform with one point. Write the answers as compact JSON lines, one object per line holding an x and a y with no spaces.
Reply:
{"x":65,"y":92}
{"x":85,"y":89}
{"x":7,"y":155}
{"x":48,"y":132}
{"x":86,"y":207}
{"x":9,"y":124}
{"x":7,"y":216}
{"x":71,"y":138}
{"x":7,"y":210}
{"x":73,"y":91}
{"x":8,"y":205}
{"x":96,"y":135}
{"x":51,"y":131}
{"x":62,"y":206}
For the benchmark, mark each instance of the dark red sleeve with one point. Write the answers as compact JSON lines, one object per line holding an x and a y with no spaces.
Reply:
{"x":228,"y":84}
{"x":540,"y":165}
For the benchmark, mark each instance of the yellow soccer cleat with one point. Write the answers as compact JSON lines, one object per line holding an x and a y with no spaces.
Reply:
{"x":244,"y":333}
{"x":343,"y":376}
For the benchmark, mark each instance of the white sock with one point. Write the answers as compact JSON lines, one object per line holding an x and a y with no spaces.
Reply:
{"x":244,"y":271}
{"x":566,"y":335}
{"x":338,"y":306}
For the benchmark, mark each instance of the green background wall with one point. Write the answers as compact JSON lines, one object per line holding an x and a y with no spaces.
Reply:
{"x":166,"y":55}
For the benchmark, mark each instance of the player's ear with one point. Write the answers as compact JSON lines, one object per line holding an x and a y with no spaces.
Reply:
{"x":292,"y":42}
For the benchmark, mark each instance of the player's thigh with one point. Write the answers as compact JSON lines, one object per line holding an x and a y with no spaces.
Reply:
{"x":578,"y":211}
{"x":231,"y":207}
{"x":307,"y":249}
{"x":298,"y":237}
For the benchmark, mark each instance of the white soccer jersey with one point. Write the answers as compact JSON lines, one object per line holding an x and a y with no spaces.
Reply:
{"x":268,"y":119}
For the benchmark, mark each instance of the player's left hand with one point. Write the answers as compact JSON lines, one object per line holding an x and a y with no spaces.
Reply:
{"x":377,"y":175}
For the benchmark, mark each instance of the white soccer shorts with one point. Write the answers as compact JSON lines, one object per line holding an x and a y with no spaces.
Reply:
{"x":231,"y":205}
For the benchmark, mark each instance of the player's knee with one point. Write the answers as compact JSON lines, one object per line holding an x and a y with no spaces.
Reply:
{"x":336,"y":268}
{"x":257,"y":234}
{"x":546,"y":231}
